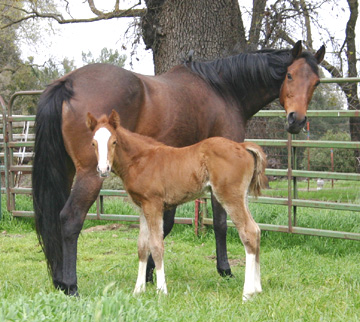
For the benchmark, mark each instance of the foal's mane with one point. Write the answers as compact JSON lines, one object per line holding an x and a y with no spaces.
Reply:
{"x":243,"y":73}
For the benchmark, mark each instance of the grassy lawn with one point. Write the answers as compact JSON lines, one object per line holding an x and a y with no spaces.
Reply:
{"x":304,"y":278}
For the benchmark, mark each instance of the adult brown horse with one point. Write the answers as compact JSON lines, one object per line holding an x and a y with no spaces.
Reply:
{"x":189,"y":103}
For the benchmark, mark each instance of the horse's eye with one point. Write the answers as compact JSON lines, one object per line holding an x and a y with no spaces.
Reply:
{"x":114,"y":142}
{"x":317,"y":83}
{"x":92,"y":143}
{"x":289,"y":76}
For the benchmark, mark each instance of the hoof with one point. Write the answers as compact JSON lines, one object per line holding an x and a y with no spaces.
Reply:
{"x":249,"y":296}
{"x":162,"y":291}
{"x":71,"y":290}
{"x":139,"y":289}
{"x":225,"y":272}
{"x":150,"y":276}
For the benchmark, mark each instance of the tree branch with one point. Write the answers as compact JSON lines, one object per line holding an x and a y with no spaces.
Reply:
{"x":307,"y":23}
{"x":33,"y":14}
{"x":256,"y":21}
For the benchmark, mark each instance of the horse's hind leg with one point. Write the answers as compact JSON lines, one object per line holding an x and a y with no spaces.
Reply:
{"x":168,"y":219}
{"x":249,"y":233}
{"x":220,"y":229}
{"x":57,"y":274}
{"x":72,"y":216}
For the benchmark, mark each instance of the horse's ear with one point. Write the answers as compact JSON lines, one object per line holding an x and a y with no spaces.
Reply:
{"x":297,"y":50}
{"x":320,"y":54}
{"x":91,"y":121}
{"x":114,"y":119}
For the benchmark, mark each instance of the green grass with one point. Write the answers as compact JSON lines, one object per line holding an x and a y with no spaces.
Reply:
{"x":304,"y":278}
{"x":341,"y":191}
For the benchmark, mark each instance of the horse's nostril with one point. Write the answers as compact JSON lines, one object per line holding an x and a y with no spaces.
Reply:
{"x":303,"y":122}
{"x":291,"y":118}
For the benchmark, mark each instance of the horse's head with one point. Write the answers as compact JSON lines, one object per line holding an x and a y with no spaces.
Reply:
{"x":104,"y":140}
{"x":301,"y":79}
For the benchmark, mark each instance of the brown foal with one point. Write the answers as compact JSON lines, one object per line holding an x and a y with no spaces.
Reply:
{"x":158,"y":177}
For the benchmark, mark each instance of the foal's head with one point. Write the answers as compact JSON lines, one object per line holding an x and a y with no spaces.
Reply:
{"x":104,"y":140}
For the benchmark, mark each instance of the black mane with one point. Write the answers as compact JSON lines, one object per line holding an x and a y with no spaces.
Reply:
{"x":238,"y":75}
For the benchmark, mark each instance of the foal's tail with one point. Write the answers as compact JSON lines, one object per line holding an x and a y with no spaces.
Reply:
{"x":259,"y":179}
{"x":49,"y":177}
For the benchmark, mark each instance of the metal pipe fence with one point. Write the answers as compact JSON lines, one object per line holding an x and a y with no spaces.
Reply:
{"x":12,"y":142}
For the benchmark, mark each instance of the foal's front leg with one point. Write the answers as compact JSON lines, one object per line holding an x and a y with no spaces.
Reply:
{"x":168,"y":220}
{"x":151,"y":240}
{"x":143,"y":253}
{"x":153,"y":212}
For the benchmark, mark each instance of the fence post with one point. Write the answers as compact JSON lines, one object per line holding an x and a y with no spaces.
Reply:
{"x":308,"y":153}
{"x":294,"y":166}
{"x":289,"y":174}
{"x":3,"y":106}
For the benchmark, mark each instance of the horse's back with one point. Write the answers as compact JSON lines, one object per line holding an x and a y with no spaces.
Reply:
{"x":98,"y":89}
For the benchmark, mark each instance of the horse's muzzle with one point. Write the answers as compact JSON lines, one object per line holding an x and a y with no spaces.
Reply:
{"x":294,"y":123}
{"x":104,"y":173}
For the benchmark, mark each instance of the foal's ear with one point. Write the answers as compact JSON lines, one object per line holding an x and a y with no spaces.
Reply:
{"x":114,"y":119}
{"x":320,"y":54}
{"x":297,"y":50}
{"x":91,"y":121}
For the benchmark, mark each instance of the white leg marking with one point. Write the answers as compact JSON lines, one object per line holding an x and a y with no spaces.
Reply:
{"x":252,"y":283}
{"x":143,"y":244}
{"x":141,"y":282}
{"x":258,"y":288}
{"x":160,"y":279}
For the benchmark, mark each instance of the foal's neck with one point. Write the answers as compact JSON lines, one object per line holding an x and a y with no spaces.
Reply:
{"x":131,"y":146}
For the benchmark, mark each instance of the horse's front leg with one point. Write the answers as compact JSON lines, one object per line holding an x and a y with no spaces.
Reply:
{"x":168,"y":220}
{"x":83,"y":195}
{"x":220,"y":229}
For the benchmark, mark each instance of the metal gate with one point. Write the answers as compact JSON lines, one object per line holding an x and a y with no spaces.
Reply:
{"x":14,"y":142}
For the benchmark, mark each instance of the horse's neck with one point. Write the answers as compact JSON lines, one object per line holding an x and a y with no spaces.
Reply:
{"x":258,"y":100}
{"x":233,"y":82}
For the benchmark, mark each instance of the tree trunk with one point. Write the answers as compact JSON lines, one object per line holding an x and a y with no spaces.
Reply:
{"x":172,"y":28}
{"x":351,"y":93}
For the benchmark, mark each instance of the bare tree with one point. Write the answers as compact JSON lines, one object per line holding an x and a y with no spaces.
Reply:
{"x":277,"y":26}
{"x":214,"y":28}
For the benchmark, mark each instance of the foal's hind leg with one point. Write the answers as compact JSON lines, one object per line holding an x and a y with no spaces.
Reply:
{"x":249,"y":233}
{"x":84,"y":193}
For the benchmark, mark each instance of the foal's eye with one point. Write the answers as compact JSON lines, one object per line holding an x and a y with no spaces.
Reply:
{"x":92,"y":143}
{"x":289,"y":76}
{"x":317,"y":83}
{"x":114,"y":142}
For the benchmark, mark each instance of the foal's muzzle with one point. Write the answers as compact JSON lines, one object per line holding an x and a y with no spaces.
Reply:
{"x":104,"y":173}
{"x":295,"y":123}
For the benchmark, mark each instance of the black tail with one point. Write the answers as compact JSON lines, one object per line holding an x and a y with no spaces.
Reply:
{"x":49,"y":178}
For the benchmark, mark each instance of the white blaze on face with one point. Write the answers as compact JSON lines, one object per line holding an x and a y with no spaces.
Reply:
{"x":102,"y":137}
